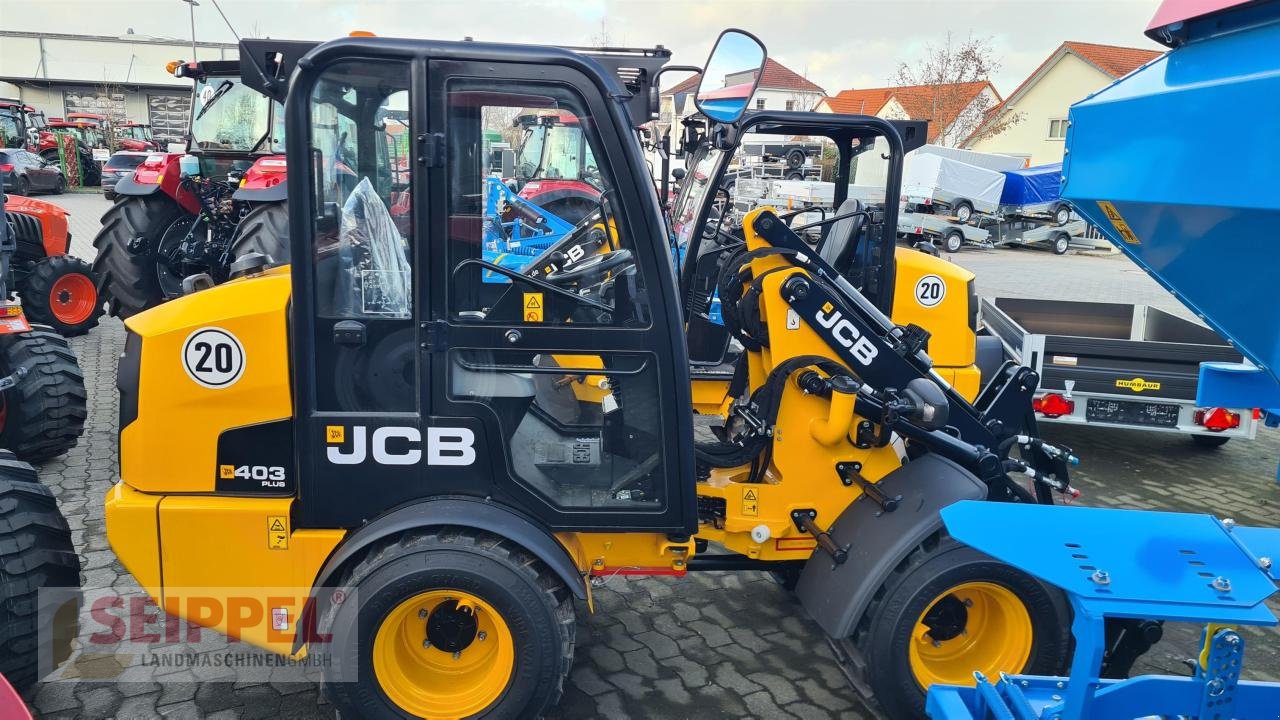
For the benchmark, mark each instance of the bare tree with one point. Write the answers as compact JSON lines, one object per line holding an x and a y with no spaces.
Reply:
{"x":604,"y":38}
{"x":954,"y":110}
{"x":803,"y":102}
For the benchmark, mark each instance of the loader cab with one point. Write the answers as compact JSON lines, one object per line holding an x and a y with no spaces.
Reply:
{"x":426,"y":362}
{"x":854,"y":229}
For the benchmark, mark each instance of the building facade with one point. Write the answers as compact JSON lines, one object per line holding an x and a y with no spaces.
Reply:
{"x":1041,"y":102}
{"x":122,"y":77}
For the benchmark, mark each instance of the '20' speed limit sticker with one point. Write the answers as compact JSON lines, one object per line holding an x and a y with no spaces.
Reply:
{"x":930,"y":290}
{"x":213,"y":358}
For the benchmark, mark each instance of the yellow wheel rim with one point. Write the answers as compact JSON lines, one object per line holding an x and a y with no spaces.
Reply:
{"x":443,"y":654}
{"x":972,"y":626}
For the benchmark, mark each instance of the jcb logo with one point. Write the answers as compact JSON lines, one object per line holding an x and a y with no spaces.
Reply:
{"x":400,"y":445}
{"x":846,"y":333}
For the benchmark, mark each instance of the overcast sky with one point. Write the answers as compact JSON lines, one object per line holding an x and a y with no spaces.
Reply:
{"x":838,"y":43}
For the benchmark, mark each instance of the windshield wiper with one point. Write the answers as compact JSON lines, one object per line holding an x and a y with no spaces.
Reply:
{"x":223,"y":89}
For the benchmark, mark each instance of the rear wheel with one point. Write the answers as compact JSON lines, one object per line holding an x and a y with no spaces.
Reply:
{"x":450,"y":622}
{"x":264,"y":230}
{"x":948,"y":610}
{"x":963,"y":212}
{"x":24,"y":187}
{"x":953,"y":241}
{"x":43,"y":416}
{"x":1209,"y":441}
{"x":35,"y":554}
{"x":1061,"y":244}
{"x":61,"y":292}
{"x":61,"y":187}
{"x":125,"y":266}
{"x":1062,"y":214}
{"x":795,"y":158}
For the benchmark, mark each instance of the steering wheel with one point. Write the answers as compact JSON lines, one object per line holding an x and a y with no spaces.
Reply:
{"x":525,"y":170}
{"x":593,"y":267}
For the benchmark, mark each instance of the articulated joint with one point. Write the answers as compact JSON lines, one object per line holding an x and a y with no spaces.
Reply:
{"x":835,"y":427}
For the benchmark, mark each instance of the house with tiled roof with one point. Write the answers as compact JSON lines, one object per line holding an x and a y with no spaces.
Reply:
{"x":781,"y":88}
{"x":952,"y":109}
{"x":1032,"y":120}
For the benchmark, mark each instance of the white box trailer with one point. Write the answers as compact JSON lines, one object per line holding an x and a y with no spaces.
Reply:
{"x":872,"y":169}
{"x":933,"y":180}
{"x":945,"y":232}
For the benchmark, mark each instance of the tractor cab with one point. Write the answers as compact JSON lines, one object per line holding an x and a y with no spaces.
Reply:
{"x":230,"y":124}
{"x":20,"y":125}
{"x":133,"y":136}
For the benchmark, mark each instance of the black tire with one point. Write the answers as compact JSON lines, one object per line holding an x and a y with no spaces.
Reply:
{"x":953,"y":241}
{"x":61,"y":187}
{"x":963,"y":212}
{"x":43,"y":416}
{"x":1209,"y":442}
{"x":795,"y":158}
{"x":795,"y":176}
{"x":264,"y":230}
{"x":1062,"y":215}
{"x":127,"y":280}
{"x":24,"y":186}
{"x":535,"y":605}
{"x":885,"y":633}
{"x":45,"y":306}
{"x":571,"y":210}
{"x":1061,"y":244}
{"x":35,"y":554}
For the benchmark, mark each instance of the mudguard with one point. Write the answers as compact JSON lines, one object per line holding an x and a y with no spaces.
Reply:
{"x":458,"y":512}
{"x":274,"y":193}
{"x":837,"y":595}
{"x":127,"y":186}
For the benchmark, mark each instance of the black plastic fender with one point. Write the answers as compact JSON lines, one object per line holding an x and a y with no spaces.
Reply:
{"x":271,"y":194}
{"x":126,"y":186}
{"x":472,"y":513}
{"x":837,"y":595}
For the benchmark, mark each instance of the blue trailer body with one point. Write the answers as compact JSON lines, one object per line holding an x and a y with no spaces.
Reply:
{"x":1037,"y":185}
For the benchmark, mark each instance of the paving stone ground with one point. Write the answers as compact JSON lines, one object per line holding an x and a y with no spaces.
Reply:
{"x":713,"y":645}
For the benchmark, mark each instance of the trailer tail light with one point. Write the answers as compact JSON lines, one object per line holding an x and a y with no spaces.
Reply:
{"x":1217,"y":419}
{"x":1053,"y":405}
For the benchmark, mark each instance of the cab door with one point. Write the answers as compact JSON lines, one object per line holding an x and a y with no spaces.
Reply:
{"x":576,"y":376}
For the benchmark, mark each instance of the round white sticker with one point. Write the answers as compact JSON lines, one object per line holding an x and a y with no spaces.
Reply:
{"x":206,"y":94}
{"x":930,"y":290}
{"x":213,"y":357}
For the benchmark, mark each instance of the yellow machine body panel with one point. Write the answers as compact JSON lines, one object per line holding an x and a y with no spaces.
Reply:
{"x":936,"y":295}
{"x":218,"y":561}
{"x":171,"y":445}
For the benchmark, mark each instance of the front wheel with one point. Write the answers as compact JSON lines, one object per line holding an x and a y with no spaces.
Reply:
{"x":449,"y":622}
{"x":43,"y":415}
{"x":62,"y":293}
{"x":1062,"y":215}
{"x":949,"y":610}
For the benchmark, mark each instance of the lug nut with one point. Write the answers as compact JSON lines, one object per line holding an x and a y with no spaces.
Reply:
{"x":426,"y":644}
{"x":457,"y":655}
{"x":1102,"y":577}
{"x":422,"y":614}
{"x":482,"y":635}
{"x":1221,"y":584}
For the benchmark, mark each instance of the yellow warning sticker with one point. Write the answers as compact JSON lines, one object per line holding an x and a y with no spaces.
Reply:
{"x":335,"y":434}
{"x":278,"y":532}
{"x":1138,"y":384}
{"x":226,"y":472}
{"x":750,"y":502}
{"x":533,"y":307}
{"x":1118,"y":222}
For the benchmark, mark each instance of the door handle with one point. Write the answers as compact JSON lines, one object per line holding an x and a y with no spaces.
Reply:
{"x":349,"y":332}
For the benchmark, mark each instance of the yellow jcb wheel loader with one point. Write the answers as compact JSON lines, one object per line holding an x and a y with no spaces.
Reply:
{"x":444,"y":451}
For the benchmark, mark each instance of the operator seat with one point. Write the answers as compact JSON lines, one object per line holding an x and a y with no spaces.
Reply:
{"x":837,"y":249}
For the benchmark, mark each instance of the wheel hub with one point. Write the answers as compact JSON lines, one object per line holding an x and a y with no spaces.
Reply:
{"x":947,"y":619}
{"x":451,"y":627}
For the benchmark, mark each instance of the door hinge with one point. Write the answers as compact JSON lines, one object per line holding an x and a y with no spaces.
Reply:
{"x":431,"y":150}
{"x":435,"y":335}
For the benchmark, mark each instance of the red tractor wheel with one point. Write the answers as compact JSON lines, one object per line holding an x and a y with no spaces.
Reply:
{"x":61,"y":292}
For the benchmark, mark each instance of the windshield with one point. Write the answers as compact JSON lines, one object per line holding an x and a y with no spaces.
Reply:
{"x":135,"y":132}
{"x":693,"y":188}
{"x":556,"y":152}
{"x":9,"y":131}
{"x":227,"y":115}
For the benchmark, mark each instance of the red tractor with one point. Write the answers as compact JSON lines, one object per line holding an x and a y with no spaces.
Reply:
{"x":20,"y":125}
{"x":185,"y":215}
{"x":57,"y":289}
{"x":88,"y":135}
{"x":134,"y":137}
{"x":555,"y":167}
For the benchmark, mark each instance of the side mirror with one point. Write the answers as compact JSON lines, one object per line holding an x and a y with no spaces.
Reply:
{"x":731,"y":76}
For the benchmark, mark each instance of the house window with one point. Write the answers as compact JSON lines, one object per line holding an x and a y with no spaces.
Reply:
{"x":1058,"y":129}
{"x":759,"y":103}
{"x":791,"y":105}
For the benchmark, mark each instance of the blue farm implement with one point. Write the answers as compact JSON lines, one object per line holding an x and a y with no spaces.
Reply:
{"x":1202,"y":224}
